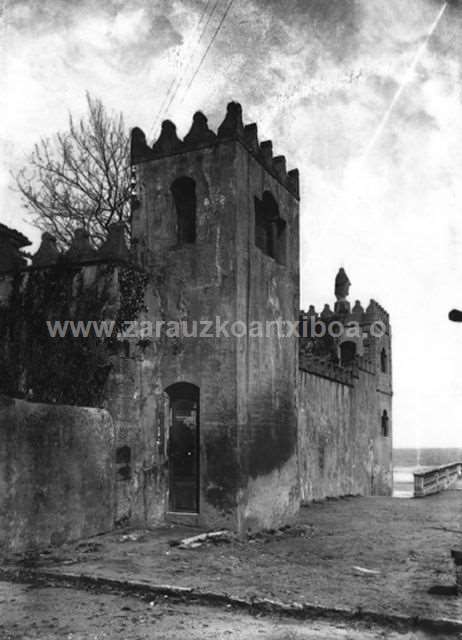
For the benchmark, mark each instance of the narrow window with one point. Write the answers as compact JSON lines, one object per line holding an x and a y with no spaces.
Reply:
{"x":322,"y":456}
{"x":184,"y":195}
{"x":262,"y":231}
{"x":270,"y":228}
{"x":383,"y":361}
{"x":123,"y":459}
{"x":385,"y":426}
{"x":347,"y":353}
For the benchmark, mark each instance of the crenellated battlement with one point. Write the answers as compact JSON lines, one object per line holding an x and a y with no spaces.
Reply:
{"x":81,"y":251}
{"x":326,"y":350}
{"x":214,"y":252}
{"x":200,"y":136}
{"x":374,"y":312}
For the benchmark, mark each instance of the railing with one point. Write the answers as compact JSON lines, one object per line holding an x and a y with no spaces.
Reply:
{"x":436,"y":479}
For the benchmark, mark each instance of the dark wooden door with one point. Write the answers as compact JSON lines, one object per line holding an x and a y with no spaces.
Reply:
{"x":183,"y":454}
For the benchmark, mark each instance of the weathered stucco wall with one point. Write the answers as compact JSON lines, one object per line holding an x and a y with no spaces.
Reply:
{"x":247,"y":384}
{"x":56,"y":473}
{"x":326,"y":463}
{"x":253,"y":435}
{"x":268,"y":292}
{"x":190,"y":283}
{"x":342,"y":450}
{"x":102,"y":372}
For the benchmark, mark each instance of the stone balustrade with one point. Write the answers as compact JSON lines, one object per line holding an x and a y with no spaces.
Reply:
{"x":435,"y":479}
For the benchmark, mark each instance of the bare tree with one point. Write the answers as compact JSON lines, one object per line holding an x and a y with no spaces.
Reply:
{"x":80,"y":178}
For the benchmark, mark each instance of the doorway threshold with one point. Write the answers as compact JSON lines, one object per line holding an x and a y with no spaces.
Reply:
{"x":182,"y":518}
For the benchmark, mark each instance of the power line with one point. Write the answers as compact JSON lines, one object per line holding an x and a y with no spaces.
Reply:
{"x":209,"y":18}
{"x":217,"y":30}
{"x":161,"y":108}
{"x":176,"y":81}
{"x":180,"y":80}
{"x":183,"y":64}
{"x":204,"y":12}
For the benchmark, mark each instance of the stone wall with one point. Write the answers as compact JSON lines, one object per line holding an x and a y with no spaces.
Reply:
{"x":345,"y":399}
{"x":215,"y":238}
{"x":342,"y":450}
{"x":248,"y":467}
{"x":268,"y":291}
{"x":56,"y":473}
{"x":101,"y":372}
{"x":190,"y":283}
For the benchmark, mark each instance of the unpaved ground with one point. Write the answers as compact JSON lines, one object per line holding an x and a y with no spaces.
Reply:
{"x":406,"y":543}
{"x":37,"y":613}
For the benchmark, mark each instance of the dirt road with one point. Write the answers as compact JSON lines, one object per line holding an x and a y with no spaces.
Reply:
{"x":57,"y":613}
{"x":382,"y":555}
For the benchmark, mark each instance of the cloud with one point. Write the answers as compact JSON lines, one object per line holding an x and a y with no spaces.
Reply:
{"x":120,"y":34}
{"x":332,"y":27}
{"x":39,"y":16}
{"x":317,"y":76}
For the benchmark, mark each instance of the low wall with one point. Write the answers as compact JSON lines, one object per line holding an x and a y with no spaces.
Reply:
{"x":436,"y":479}
{"x":56,"y":473}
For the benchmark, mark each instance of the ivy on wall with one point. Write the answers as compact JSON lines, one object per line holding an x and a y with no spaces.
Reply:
{"x":132,"y":286}
{"x":69,"y":369}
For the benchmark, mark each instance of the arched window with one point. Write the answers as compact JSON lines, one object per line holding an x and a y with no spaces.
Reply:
{"x":385,"y":424}
{"x":347,"y":353}
{"x":383,"y":361}
{"x":184,"y":195}
{"x":183,"y":448}
{"x":269,"y":228}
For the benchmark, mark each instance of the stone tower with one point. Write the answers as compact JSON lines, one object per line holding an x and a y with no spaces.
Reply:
{"x":374,"y":392}
{"x":345,"y":399}
{"x":215,"y":224}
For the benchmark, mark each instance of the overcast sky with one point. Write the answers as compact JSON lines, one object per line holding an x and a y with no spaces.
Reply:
{"x":317,"y":76}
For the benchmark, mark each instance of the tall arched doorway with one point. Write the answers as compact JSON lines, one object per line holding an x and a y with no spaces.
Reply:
{"x":183,"y":448}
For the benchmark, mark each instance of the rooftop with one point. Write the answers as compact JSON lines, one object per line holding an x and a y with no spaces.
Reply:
{"x":14,"y":236}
